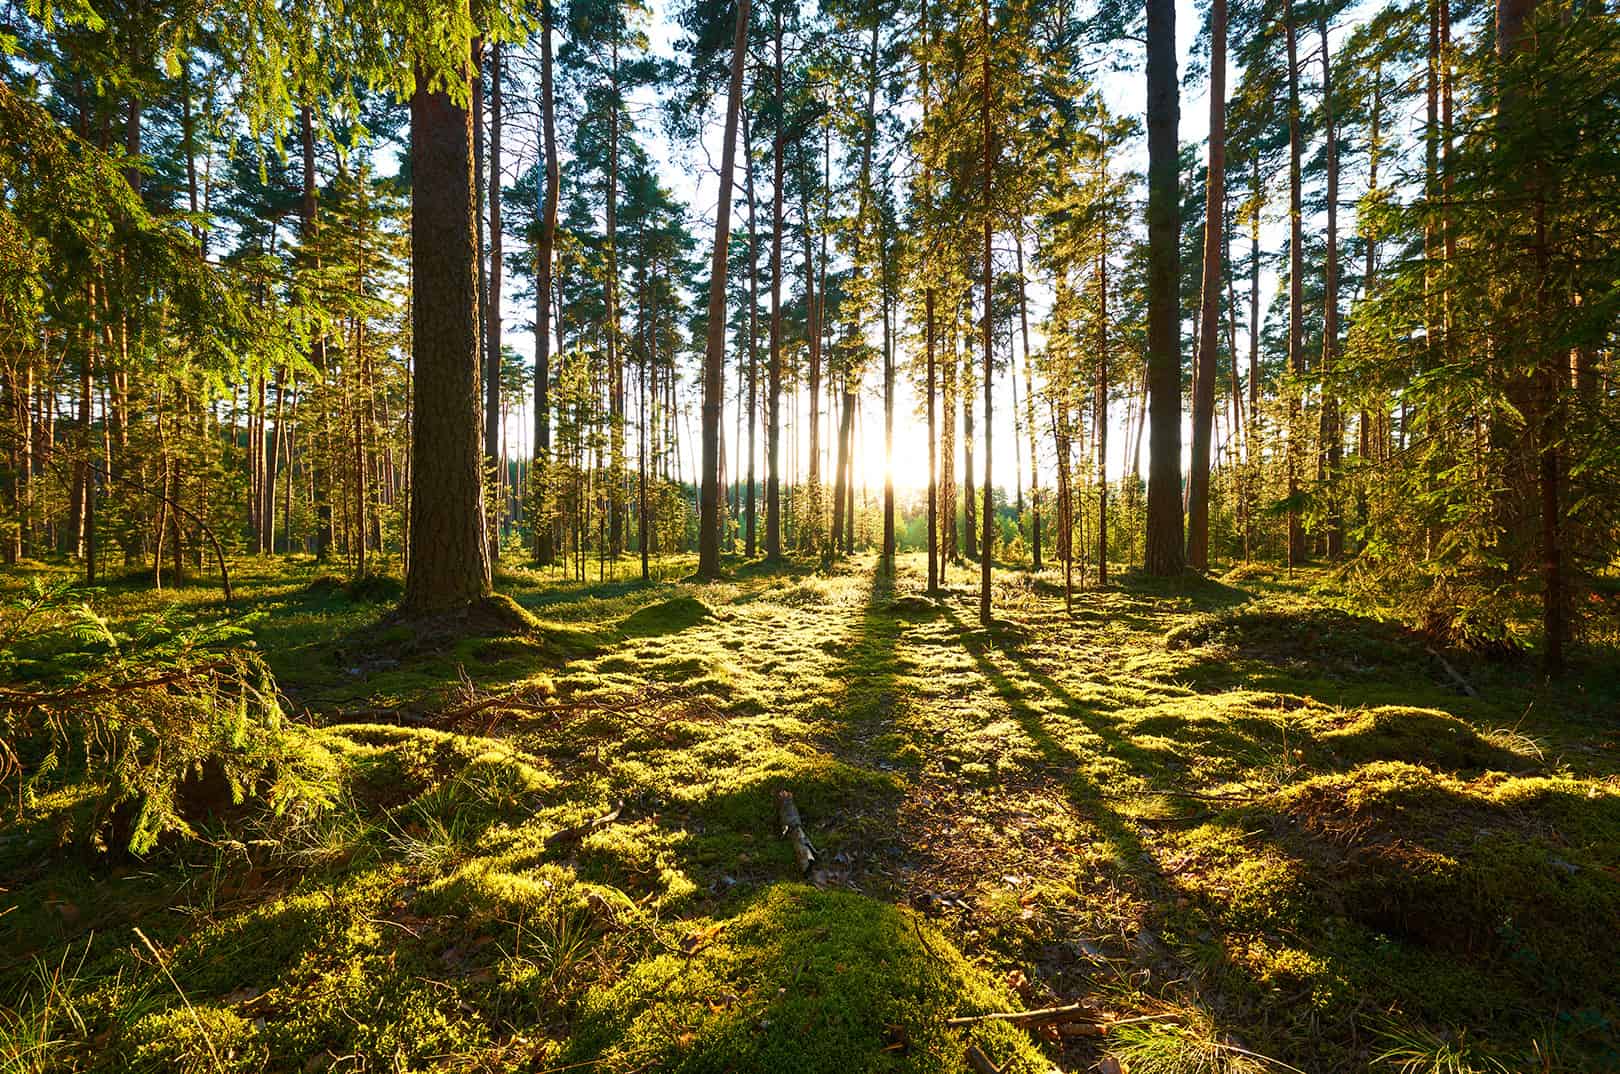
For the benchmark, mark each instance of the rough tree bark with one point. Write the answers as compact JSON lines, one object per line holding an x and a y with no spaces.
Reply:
{"x":715,"y":350}
{"x":492,"y":344}
{"x":449,"y":555}
{"x":1162,"y":554}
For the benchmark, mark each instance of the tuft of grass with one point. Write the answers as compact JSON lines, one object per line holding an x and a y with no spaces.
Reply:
{"x":1415,"y":1049}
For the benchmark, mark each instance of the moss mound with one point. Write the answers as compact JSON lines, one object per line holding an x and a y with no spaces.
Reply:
{"x":1400,"y":733}
{"x":800,"y":980}
{"x":374,"y":589}
{"x":666,"y":617}
{"x":1513,"y":874}
{"x":1296,"y":633}
{"x":495,"y":616}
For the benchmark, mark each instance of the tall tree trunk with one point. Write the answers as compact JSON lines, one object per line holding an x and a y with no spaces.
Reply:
{"x":715,"y":351}
{"x":1332,"y":452}
{"x":615,"y":370}
{"x":1029,"y":411}
{"x":811,"y":527}
{"x":753,"y":332}
{"x":492,"y":344}
{"x":1296,"y":288}
{"x":888,"y":400}
{"x":1163,"y":550}
{"x":541,"y":524}
{"x":773,"y":420}
{"x":987,"y":549}
{"x":970,"y":505}
{"x":846,"y":422}
{"x":317,"y":351}
{"x":1100,"y":405}
{"x":449,"y":556}
{"x":1257,"y":198}
{"x":933,"y":446}
{"x":1543,"y":415}
{"x":1203,"y":410}
{"x":934,"y":551}
{"x":644,"y":529}
{"x":950,"y":546}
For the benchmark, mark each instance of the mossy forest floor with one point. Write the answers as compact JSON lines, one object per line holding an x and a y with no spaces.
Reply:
{"x":1250,"y":829}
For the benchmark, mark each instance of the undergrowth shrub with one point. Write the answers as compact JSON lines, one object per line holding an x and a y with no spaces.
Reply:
{"x":167,"y":726}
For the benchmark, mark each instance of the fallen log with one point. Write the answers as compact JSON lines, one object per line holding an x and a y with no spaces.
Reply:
{"x":787,"y":814}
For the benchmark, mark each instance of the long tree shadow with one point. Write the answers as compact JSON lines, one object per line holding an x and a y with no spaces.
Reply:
{"x":1088,"y":797}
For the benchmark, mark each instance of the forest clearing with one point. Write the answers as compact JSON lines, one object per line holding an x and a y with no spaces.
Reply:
{"x":1242,"y":828}
{"x":739,"y":536}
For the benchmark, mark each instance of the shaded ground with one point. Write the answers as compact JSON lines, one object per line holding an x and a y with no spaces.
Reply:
{"x":1252,"y":832}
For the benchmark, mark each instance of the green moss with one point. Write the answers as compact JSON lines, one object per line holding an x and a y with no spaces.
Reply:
{"x":799,"y":980}
{"x":1289,"y":821}
{"x":666,"y":617}
{"x":199,"y":1038}
{"x":1395,"y":733}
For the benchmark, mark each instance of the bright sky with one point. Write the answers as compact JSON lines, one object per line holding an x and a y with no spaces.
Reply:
{"x":691,"y":175}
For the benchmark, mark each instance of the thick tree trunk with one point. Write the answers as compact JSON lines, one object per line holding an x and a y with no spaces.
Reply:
{"x":1203,"y":411}
{"x":449,"y":556}
{"x":1163,"y":550}
{"x":492,"y":304}
{"x":715,"y":351}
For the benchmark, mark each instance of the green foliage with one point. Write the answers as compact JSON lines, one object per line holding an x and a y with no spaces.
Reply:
{"x":175,"y":725}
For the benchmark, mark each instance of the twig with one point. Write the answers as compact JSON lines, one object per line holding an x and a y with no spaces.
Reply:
{"x":1045,"y":1016}
{"x":1198,"y":796}
{"x":980,"y":1062}
{"x":917,"y":925}
{"x":201,"y":1029}
{"x":14,"y":698}
{"x":579,"y":831}
{"x":1456,"y":676}
{"x":787,"y":814}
